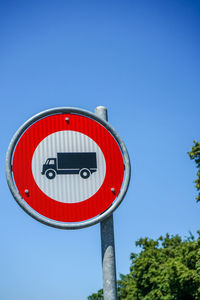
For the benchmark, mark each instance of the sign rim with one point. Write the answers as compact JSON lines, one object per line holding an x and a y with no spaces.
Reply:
{"x":58,"y":224}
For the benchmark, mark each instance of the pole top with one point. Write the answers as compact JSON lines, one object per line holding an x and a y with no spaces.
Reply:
{"x":101,"y":107}
{"x":101,"y":111}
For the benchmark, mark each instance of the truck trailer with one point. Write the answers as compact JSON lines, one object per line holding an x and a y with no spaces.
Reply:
{"x":82,"y":163}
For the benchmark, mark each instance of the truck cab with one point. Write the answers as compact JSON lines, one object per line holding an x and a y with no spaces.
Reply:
{"x":49,"y":164}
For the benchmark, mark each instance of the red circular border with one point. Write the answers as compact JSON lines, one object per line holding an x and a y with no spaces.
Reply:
{"x":43,"y":204}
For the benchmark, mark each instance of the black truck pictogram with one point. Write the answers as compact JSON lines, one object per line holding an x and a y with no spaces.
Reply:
{"x":82,"y":163}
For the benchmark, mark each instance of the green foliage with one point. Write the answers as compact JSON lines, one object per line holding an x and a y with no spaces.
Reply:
{"x":166,"y":269}
{"x":98,"y":296}
{"x":195,"y":154}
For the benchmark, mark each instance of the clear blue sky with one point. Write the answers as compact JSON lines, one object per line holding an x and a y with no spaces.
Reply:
{"x":141,"y":60}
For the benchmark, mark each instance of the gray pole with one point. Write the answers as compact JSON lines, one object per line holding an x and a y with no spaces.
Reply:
{"x":107,"y":243}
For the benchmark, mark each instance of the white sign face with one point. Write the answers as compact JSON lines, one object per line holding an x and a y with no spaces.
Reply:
{"x":73,"y":183}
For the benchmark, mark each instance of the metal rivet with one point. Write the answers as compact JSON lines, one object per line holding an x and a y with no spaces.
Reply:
{"x":113,"y":190}
{"x":26,"y":192}
{"x":67,"y":119}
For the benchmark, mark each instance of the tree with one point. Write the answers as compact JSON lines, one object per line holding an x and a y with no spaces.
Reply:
{"x":97,"y":296}
{"x":195,"y":154}
{"x":165,"y":269}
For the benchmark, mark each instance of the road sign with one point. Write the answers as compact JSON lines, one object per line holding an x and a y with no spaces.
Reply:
{"x":67,"y":168}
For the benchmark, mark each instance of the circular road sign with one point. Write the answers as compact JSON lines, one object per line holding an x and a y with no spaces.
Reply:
{"x":67,"y":168}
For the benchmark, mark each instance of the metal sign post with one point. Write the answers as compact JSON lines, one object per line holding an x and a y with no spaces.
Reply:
{"x":108,"y":259}
{"x":107,"y":243}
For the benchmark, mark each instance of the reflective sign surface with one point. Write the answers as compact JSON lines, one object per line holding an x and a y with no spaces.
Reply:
{"x":68,"y":167}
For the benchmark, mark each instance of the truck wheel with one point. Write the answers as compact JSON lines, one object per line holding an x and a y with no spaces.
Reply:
{"x":50,"y":174}
{"x":85,"y":173}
